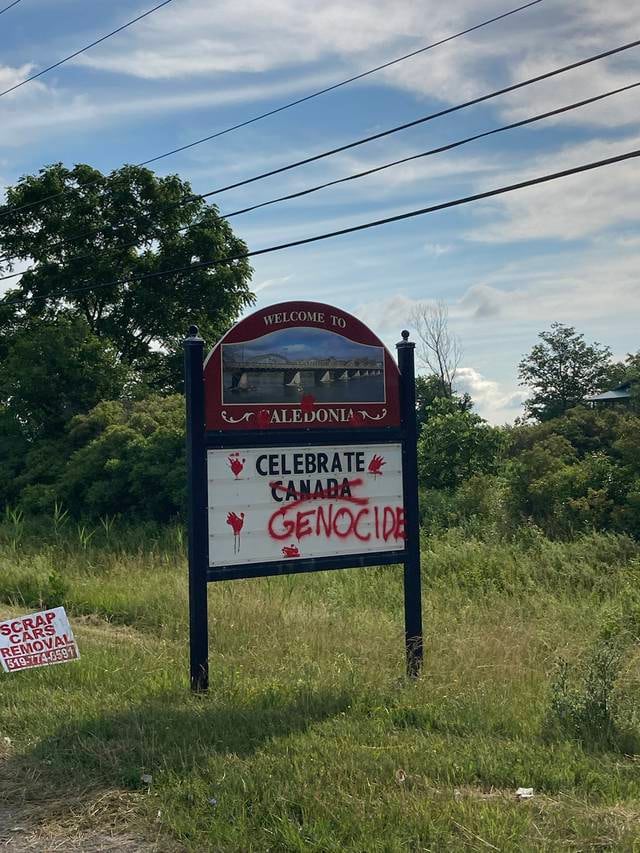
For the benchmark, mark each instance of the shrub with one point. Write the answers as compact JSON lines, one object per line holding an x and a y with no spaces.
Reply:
{"x":127,"y":459}
{"x":584,"y":705}
{"x":130,"y":460}
{"x":454,"y":445}
{"x":563,"y":492}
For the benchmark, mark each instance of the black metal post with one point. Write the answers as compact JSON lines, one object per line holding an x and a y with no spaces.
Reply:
{"x":197,"y":511}
{"x":412,"y":585}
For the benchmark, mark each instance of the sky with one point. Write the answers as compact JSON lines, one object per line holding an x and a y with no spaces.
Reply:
{"x":306,"y":344}
{"x":506,"y":268}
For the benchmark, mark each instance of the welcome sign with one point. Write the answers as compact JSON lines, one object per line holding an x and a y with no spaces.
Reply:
{"x":301,"y":457}
{"x":300,"y":365}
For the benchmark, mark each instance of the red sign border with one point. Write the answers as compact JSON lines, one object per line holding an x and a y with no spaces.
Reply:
{"x":259,"y":416}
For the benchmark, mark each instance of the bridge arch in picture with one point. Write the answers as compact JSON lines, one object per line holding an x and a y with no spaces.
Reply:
{"x":323,"y":370}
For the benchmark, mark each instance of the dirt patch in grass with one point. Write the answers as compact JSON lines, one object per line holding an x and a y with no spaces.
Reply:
{"x":36,"y":816}
{"x":65,"y":825}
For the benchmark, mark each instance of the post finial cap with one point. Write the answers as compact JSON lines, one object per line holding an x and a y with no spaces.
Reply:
{"x":405,"y":334}
{"x":193,"y":332}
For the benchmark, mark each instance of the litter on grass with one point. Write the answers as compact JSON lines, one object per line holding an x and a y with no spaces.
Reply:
{"x":524,"y":793}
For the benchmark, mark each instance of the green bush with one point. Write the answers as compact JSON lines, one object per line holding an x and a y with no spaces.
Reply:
{"x":128,"y":459}
{"x":585,"y":704}
{"x":121,"y":458}
{"x":455,"y":445}
{"x":578,"y":472}
{"x":477,"y":505}
{"x":52,"y":369}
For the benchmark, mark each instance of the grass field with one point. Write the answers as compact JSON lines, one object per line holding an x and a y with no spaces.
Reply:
{"x":310,"y":738}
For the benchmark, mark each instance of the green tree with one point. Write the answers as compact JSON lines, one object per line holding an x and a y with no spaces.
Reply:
{"x":455,"y":445}
{"x":127,"y":458}
{"x":53,"y":369}
{"x":13,"y":447}
{"x":428,"y":390}
{"x":122,"y":226}
{"x":623,"y":371}
{"x":561,"y":370}
{"x":632,"y":374}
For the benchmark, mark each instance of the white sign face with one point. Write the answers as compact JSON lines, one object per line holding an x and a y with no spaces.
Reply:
{"x":38,"y":639}
{"x":286,"y":503}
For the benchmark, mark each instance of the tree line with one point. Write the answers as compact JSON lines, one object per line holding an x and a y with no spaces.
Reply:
{"x":564,"y":466}
{"x":91,"y":412}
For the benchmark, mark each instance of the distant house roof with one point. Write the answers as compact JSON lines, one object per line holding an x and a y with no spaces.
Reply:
{"x":620,"y":392}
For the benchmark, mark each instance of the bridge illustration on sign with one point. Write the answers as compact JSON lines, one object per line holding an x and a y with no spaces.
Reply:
{"x":324,"y":370}
{"x":283,"y":366}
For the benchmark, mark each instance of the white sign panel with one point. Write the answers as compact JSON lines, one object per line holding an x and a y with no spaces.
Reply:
{"x":287,"y":503}
{"x":38,"y":639}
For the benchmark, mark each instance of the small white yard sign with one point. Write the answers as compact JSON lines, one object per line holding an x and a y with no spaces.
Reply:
{"x":39,"y":639}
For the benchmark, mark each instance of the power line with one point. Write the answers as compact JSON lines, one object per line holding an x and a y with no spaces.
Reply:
{"x":449,"y":146}
{"x":514,"y":87}
{"x":10,"y":6}
{"x":542,"y":179}
{"x":423,"y":119}
{"x":342,"y":83}
{"x":84,"y":49}
{"x":16,"y":274}
{"x":302,"y":100}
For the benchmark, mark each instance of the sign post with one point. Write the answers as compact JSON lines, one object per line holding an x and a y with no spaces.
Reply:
{"x":196,"y":511}
{"x":412,"y":583}
{"x":301,"y":456}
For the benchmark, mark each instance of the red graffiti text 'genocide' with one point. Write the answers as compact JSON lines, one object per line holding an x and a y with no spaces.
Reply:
{"x":342,"y":521}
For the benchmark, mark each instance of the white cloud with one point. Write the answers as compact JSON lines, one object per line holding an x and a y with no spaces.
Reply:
{"x":597,"y":288}
{"x":616,"y":111}
{"x":10,"y":76}
{"x":55,"y":108}
{"x":269,"y":282}
{"x":237,"y":50}
{"x":436,"y":250}
{"x":386,"y":316}
{"x":252,"y":38}
{"x":495,"y":403}
{"x":632,"y":241}
{"x":567,"y":209}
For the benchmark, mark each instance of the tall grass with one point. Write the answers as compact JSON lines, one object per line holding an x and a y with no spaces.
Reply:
{"x":310,"y":737}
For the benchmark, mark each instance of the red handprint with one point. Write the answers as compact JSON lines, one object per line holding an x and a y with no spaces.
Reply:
{"x":263,"y":418}
{"x":236,"y":522}
{"x":308,"y":402}
{"x":291,"y":551}
{"x":375,"y":466}
{"x":236,"y":464}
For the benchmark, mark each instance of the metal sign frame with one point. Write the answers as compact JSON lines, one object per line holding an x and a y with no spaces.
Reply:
{"x":199,"y":441}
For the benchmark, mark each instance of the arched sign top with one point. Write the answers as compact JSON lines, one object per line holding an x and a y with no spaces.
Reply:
{"x":300,"y":365}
